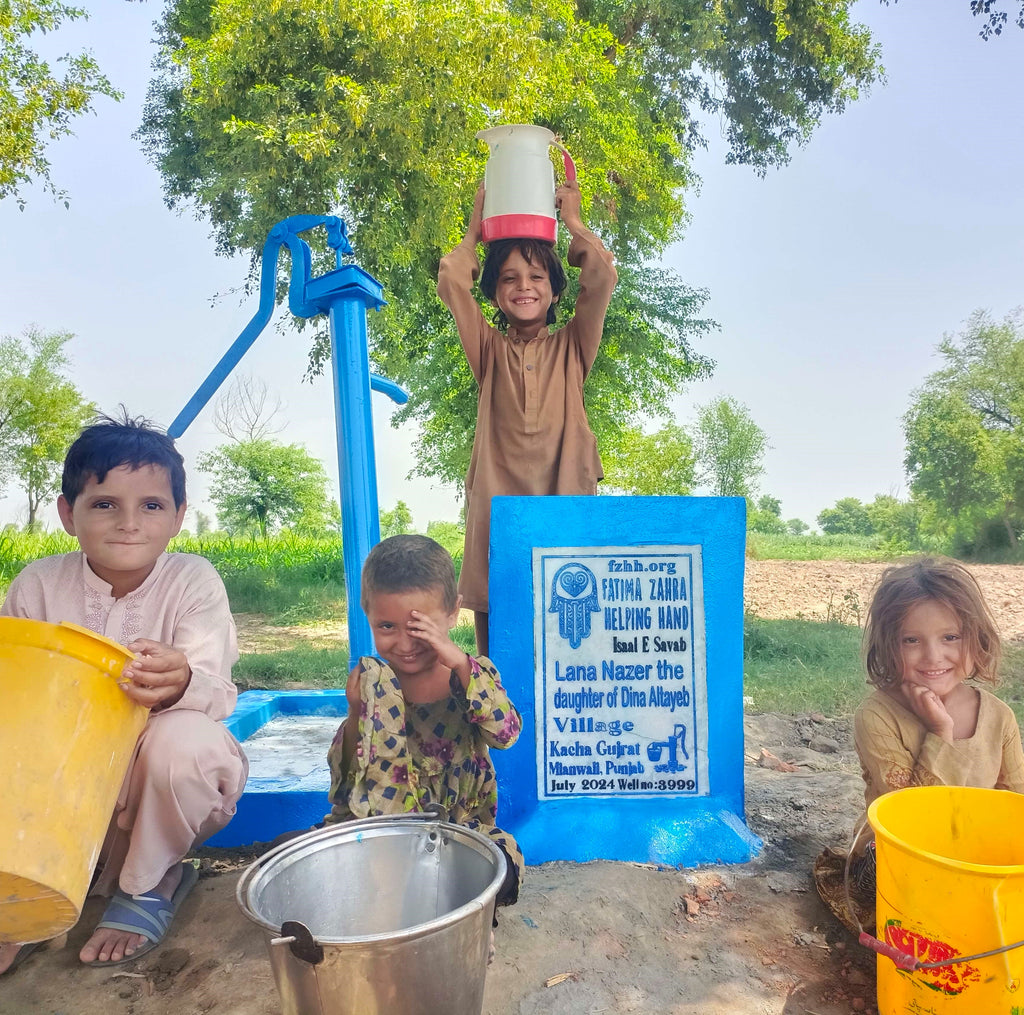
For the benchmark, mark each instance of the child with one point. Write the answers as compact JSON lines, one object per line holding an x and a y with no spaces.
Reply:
{"x":420,"y":723}
{"x":532,"y":434}
{"x":123,"y":498}
{"x":928,"y":632}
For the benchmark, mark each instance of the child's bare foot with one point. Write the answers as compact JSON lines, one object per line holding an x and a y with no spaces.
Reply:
{"x":8,"y":953}
{"x":114,"y":944}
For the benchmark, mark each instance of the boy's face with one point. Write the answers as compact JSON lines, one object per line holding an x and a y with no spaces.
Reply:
{"x":389,"y":614}
{"x":523,"y":293}
{"x":124,"y":523}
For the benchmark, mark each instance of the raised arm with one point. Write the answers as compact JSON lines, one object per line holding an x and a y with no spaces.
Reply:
{"x":455,"y":277}
{"x":597,"y":272}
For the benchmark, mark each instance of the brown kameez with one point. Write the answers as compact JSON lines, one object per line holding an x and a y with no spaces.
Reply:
{"x":532,"y":435}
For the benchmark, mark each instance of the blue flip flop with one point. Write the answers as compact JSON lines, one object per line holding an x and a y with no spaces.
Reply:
{"x":149,"y":915}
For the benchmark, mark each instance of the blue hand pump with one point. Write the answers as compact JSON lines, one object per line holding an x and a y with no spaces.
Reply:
{"x":344,"y":294}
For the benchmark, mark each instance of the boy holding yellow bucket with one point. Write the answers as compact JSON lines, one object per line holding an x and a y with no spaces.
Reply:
{"x":123,"y":499}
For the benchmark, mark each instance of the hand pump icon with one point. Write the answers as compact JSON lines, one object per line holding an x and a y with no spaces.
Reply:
{"x":344,"y":294}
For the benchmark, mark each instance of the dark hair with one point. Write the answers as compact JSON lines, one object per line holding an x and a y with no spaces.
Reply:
{"x":535,"y":252}
{"x":947,"y":582}
{"x":404,"y":563}
{"x":107,"y":443}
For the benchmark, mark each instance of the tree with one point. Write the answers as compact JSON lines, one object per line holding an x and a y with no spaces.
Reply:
{"x":730,"y":448}
{"x":766,"y":515}
{"x":267,"y":484}
{"x":965,"y":429}
{"x":397,"y":521}
{"x":995,"y":17}
{"x":849,"y":517}
{"x":41,"y":413}
{"x":36,"y":105}
{"x":262,"y":110}
{"x":242,"y":414}
{"x":796,"y":526}
{"x":451,"y":535}
{"x":650,"y":464}
{"x":897,"y":522}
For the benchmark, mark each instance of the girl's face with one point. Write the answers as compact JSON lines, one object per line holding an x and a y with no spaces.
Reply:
{"x":390,"y":614}
{"x":932,"y":647}
{"x":523,"y":293}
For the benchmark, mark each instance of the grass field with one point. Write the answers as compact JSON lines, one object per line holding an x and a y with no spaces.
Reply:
{"x":763,"y":546}
{"x":789,"y":665}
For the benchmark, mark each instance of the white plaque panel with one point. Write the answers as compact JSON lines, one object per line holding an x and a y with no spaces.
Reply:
{"x":621,"y":671}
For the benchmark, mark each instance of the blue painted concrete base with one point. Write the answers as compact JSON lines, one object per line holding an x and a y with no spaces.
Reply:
{"x":702,"y":833}
{"x":270,"y":806}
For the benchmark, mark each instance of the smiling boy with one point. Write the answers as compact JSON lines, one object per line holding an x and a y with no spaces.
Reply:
{"x":123,"y":499}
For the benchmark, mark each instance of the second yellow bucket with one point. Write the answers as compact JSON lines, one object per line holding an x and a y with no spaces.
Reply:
{"x":67,"y":733}
{"x":950,"y":882}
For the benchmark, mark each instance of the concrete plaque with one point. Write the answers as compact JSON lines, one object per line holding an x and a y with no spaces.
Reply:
{"x":617,"y":626}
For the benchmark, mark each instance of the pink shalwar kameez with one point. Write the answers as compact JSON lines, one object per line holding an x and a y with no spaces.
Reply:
{"x":187,"y":772}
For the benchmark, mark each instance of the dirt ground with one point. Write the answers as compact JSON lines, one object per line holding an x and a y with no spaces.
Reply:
{"x":587,"y":939}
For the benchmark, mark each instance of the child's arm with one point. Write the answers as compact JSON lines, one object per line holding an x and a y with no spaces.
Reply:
{"x":597,"y":272}
{"x":203,"y":631}
{"x":1011,"y":769}
{"x":455,"y":277}
{"x":343,"y":750}
{"x":892,"y":758}
{"x":487,"y":704}
{"x":351,"y":725}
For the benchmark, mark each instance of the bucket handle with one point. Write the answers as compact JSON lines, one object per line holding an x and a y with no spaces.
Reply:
{"x":300,"y":942}
{"x":567,"y":161}
{"x":901,"y":959}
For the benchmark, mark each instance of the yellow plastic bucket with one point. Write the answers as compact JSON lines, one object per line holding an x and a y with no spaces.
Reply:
{"x":950,"y":882}
{"x":67,"y":733}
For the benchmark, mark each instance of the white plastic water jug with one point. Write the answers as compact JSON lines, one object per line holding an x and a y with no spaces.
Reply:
{"x":519,"y":183}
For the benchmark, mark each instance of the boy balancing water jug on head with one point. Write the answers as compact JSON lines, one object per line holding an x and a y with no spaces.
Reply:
{"x":532,"y":434}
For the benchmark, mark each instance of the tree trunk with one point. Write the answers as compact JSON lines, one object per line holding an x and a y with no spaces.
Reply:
{"x":1011,"y":532}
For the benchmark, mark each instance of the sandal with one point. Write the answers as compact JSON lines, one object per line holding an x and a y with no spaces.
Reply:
{"x":149,"y":915}
{"x":23,"y":953}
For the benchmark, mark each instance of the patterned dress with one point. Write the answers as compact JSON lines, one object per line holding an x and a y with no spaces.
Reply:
{"x":409,"y":755}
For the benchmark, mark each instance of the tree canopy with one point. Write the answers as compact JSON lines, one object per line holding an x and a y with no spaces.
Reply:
{"x":260,"y":110}
{"x":652,"y":464}
{"x":41,"y":413}
{"x":730,"y":448}
{"x":264,"y":484}
{"x":37,"y":104}
{"x":965,"y":430}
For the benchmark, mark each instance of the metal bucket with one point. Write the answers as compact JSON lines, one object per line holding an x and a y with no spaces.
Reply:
{"x":384,"y":915}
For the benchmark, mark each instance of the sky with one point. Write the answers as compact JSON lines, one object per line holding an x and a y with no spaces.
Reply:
{"x":832,"y":279}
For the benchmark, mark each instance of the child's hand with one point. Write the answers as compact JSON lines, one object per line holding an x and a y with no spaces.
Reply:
{"x":423,"y":627}
{"x":568,"y":201}
{"x":928,"y":707}
{"x":158,"y":677}
{"x":352,"y":693}
{"x":474,"y":231}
